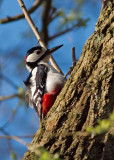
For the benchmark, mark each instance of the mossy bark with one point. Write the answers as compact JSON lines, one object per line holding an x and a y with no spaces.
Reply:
{"x":88,"y":96}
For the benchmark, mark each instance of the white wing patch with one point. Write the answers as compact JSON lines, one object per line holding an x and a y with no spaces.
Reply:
{"x":32,"y":79}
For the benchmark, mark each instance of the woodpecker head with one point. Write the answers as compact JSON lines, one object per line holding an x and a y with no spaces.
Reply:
{"x":37,"y":55}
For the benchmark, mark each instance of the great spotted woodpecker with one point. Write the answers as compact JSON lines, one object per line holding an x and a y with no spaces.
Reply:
{"x":44,"y":82}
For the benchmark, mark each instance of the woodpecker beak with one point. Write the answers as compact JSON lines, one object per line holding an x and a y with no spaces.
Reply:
{"x":50,"y":51}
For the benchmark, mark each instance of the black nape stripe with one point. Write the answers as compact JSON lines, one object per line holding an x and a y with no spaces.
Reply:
{"x":32,"y":64}
{"x":33,"y":49}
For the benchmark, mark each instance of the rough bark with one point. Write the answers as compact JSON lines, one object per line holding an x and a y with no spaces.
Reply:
{"x":87,"y":97}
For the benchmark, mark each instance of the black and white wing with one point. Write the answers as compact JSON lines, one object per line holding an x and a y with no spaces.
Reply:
{"x":28,"y":99}
{"x":38,"y":80}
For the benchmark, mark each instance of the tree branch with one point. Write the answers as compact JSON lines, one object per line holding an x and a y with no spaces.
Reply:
{"x":73,"y":62}
{"x":9,"y":81}
{"x":80,"y":23}
{"x":31,"y":23}
{"x":9,"y":119}
{"x":45,"y":17}
{"x":14,"y":138}
{"x":9,"y":97}
{"x":52,"y":17}
{"x":36,"y":32}
{"x":8,"y":141}
{"x":8,"y":19}
{"x":73,"y":57}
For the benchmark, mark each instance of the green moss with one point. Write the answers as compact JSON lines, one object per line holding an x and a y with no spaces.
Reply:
{"x":103,"y":126}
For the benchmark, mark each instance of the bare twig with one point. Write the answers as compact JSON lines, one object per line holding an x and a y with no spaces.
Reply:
{"x":14,"y":138}
{"x":36,"y":32}
{"x":68,"y":72}
{"x":8,"y":19}
{"x":26,"y":136}
{"x":8,"y":141}
{"x":2,"y":76}
{"x":45,"y":17}
{"x":73,"y":62}
{"x":52,"y":17}
{"x":55,"y":65}
{"x":73,"y":57}
{"x":9,"y":119}
{"x":31,"y":23}
{"x":9,"y":97}
{"x":65,"y":31}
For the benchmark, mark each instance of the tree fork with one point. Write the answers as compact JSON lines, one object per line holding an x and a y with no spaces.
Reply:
{"x":86,"y":98}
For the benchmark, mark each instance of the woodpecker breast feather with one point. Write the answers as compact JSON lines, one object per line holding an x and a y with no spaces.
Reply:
{"x":54,"y":81}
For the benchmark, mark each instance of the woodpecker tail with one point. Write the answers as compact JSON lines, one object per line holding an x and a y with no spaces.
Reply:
{"x":38,"y":108}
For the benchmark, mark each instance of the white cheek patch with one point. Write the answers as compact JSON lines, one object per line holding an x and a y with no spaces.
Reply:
{"x":32,"y":57}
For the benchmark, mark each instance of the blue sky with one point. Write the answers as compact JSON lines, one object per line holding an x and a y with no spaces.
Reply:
{"x":25,"y":120}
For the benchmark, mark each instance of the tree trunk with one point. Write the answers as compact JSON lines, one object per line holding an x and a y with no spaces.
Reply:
{"x":87,"y":97}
